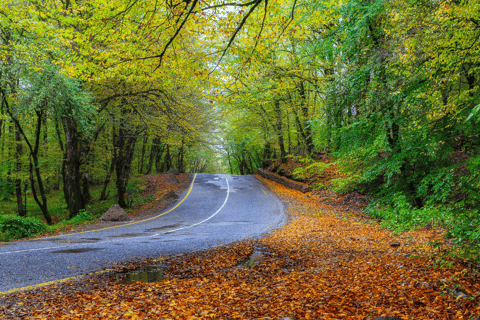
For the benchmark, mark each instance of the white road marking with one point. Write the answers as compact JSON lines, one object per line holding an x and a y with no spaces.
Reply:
{"x":196,"y":224}
{"x":133,"y":238}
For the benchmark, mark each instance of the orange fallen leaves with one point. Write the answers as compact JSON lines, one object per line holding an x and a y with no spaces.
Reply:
{"x":322,"y":265}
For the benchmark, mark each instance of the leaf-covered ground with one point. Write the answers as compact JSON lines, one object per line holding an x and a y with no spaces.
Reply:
{"x":324,"y":264}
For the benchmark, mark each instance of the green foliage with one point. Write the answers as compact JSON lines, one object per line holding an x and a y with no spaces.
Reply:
{"x":303,"y":160}
{"x":314,"y":169}
{"x":14,"y":227}
{"x":6,"y":190}
{"x":460,"y":222}
{"x":81,"y":217}
{"x":346,"y":184}
{"x":47,"y":88}
{"x":133,"y":195}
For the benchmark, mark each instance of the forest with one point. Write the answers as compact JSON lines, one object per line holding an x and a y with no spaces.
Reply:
{"x":95,"y":94}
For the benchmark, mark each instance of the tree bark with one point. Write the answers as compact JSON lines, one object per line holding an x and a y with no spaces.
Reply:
{"x":180,"y":156}
{"x":167,"y":162}
{"x":142,"y":157}
{"x":306,"y":127}
{"x":153,"y":154}
{"x":279,"y":129}
{"x":125,"y":145}
{"x":42,"y":204}
{"x":18,"y":182}
{"x":72,"y":184}
{"x":33,"y":156}
{"x":108,"y":177}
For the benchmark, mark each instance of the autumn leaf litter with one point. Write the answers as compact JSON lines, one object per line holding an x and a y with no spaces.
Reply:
{"x":325,"y":264}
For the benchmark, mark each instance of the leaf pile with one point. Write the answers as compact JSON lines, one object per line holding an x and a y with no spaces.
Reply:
{"x":322,"y":265}
{"x":323,"y":176}
{"x":157,"y":185}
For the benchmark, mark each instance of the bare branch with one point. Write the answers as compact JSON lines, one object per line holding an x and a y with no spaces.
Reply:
{"x":232,"y":4}
{"x":240,"y":26}
{"x":160,"y":56}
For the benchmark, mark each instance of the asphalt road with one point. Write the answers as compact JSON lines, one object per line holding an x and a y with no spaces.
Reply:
{"x":218,"y":209}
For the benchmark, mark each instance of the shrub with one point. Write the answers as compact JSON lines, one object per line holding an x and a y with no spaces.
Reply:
{"x":312,"y":170}
{"x":462,"y":224}
{"x":346,"y":184}
{"x":134,"y":191}
{"x":81,"y":217}
{"x":6,"y":190}
{"x":15,"y":227}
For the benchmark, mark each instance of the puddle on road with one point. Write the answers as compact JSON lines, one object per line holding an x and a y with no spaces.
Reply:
{"x":127,"y":235}
{"x":258,"y":254}
{"x":146,"y":274}
{"x":163,"y":228}
{"x":78,"y":250}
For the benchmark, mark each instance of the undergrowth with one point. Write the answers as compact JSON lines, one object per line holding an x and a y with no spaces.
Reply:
{"x":444,"y":197}
{"x":14,"y":227}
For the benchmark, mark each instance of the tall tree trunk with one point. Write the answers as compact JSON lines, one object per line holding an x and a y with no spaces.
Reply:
{"x":108,"y":177}
{"x":45,"y":149}
{"x":279,"y":129}
{"x":240,"y":165}
{"x":87,"y":197}
{"x":144,"y":146}
{"x":18,"y":182}
{"x":103,"y":194}
{"x":34,"y":156}
{"x":250,"y":162}
{"x":72,"y":187}
{"x":267,"y":151}
{"x":60,"y":143}
{"x":155,"y":150}
{"x":180,"y":164}
{"x":229,"y":162}
{"x":125,"y":145}
{"x":306,"y":118}
{"x":167,"y":162}
{"x":158,"y":158}
{"x":36,"y":168}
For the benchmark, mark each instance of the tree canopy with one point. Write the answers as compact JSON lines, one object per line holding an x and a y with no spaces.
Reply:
{"x":100,"y":91}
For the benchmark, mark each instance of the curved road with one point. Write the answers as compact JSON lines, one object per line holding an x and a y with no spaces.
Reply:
{"x":217,"y":209}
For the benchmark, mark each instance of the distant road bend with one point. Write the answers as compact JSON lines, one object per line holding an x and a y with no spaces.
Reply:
{"x":217,"y":209}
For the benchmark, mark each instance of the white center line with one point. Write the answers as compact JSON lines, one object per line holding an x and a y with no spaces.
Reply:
{"x":135,"y":238}
{"x":196,"y":224}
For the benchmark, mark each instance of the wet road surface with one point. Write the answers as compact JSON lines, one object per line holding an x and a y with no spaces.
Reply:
{"x":218,"y":209}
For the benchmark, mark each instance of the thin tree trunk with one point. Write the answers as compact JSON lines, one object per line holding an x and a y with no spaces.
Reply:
{"x":72,"y":187}
{"x":108,"y":177}
{"x":87,"y":197}
{"x":154,"y":158}
{"x":103,"y":195}
{"x":180,"y":164}
{"x":306,"y":117}
{"x":144,"y":146}
{"x":36,"y":168}
{"x":279,"y":129}
{"x":229,"y":162}
{"x":167,"y":162}
{"x":125,"y":144}
{"x":18,"y":182}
